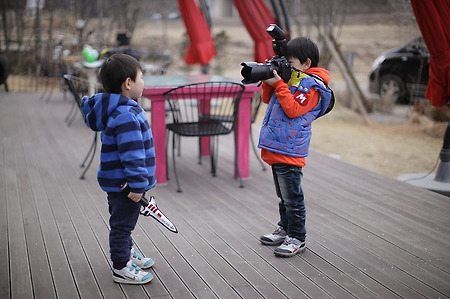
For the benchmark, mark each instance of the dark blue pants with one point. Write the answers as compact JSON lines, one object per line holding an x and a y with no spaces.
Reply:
{"x":288,"y":179}
{"x":124,"y":214}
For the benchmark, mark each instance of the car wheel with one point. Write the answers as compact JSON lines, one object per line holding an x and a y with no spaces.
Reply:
{"x":392,"y":86}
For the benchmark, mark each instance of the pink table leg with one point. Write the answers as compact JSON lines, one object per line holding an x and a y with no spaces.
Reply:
{"x":158,"y":125}
{"x":205,"y":142}
{"x":243,"y":134}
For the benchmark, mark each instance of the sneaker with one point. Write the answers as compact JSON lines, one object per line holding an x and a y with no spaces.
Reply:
{"x":275,"y":238}
{"x":141,"y":261}
{"x":131,"y":274}
{"x":290,"y":247}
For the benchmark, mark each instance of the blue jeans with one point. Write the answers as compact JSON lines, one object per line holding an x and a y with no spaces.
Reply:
{"x":288,"y":179}
{"x":124,"y":214}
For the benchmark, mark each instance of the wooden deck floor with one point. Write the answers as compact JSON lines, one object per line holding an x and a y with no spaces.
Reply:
{"x":369,"y":236}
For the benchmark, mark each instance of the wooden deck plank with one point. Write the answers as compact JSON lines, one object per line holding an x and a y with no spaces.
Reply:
{"x":203,"y":268}
{"x":361,"y":203}
{"x":4,"y":248}
{"x":240,"y":244}
{"x":68,"y":231}
{"x":391,"y":228}
{"x":195,"y":194}
{"x":166,"y":282}
{"x":181,"y":280}
{"x":385,"y":255}
{"x":368,"y":236}
{"x":20,"y":285}
{"x":229,"y":276}
{"x":224,"y":267}
{"x":62,"y":278}
{"x":216,"y":201}
{"x":382,"y":235}
{"x":40,"y":273}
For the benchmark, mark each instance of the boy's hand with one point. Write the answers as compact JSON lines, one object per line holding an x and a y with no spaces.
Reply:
{"x":136,"y":197}
{"x":275,"y":78}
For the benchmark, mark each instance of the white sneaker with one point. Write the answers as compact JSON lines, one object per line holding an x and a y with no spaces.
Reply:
{"x":131,"y":274}
{"x":141,"y":261}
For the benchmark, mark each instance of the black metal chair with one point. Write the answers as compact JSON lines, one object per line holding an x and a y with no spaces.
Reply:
{"x":206,"y":109}
{"x":79,"y":87}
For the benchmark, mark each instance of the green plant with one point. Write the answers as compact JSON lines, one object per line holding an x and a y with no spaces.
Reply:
{"x":221,"y":41}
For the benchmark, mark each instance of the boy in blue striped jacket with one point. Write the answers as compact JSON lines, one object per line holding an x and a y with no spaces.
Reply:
{"x":127,"y":154}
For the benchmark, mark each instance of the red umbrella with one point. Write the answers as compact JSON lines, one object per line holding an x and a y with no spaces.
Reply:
{"x":256,"y":17}
{"x":433,"y":19}
{"x":201,"y":45}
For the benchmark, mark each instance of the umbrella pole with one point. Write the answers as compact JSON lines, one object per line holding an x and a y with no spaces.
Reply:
{"x":443,"y":172}
{"x":440,"y":182}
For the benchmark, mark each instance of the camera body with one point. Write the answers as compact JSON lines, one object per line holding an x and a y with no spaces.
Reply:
{"x":254,"y":72}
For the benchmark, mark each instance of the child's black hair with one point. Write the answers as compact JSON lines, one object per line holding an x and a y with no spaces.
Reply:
{"x":116,"y":69}
{"x":303,"y":48}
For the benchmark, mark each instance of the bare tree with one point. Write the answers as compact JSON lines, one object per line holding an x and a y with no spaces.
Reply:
{"x":327,"y":16}
{"x":12,"y":12}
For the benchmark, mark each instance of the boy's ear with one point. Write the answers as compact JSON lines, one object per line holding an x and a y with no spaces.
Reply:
{"x":308,"y":63}
{"x":126,"y":84}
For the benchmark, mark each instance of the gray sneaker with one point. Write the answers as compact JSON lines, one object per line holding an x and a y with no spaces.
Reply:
{"x":131,"y":274}
{"x":275,"y":238}
{"x":290,"y":247}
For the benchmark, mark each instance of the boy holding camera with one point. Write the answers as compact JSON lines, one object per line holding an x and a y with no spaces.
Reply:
{"x":285,"y":137}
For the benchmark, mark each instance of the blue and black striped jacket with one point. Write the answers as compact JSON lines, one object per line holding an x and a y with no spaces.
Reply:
{"x":128,"y":152}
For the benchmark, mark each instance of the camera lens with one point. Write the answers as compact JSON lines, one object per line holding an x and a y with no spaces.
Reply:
{"x":254,"y":72}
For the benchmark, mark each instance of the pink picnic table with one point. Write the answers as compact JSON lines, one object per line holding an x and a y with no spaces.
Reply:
{"x":155,"y":86}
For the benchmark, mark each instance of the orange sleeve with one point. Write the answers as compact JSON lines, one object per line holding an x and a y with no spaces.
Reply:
{"x":290,"y":106}
{"x":266,"y":92}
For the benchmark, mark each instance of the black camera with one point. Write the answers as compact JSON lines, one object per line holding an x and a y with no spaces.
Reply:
{"x":254,"y":72}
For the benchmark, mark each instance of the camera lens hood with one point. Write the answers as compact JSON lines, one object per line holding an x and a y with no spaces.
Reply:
{"x":254,"y":72}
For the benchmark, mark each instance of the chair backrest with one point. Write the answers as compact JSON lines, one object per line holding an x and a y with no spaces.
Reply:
{"x":77,"y":87}
{"x":205,"y":102}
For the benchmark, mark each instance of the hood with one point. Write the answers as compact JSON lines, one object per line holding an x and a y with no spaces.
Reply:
{"x":98,"y":108}
{"x":322,"y":73}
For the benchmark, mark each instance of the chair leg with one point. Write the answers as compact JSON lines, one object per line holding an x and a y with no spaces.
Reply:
{"x":44,"y":93}
{"x":179,"y":145}
{"x":236,"y":158}
{"x":49,"y":96}
{"x":214,"y":146}
{"x":93,"y":145}
{"x":69,"y":115}
{"x":74,"y":114}
{"x":90,"y":153}
{"x":199,"y":151}
{"x":255,"y":150}
{"x":174,"y":163}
